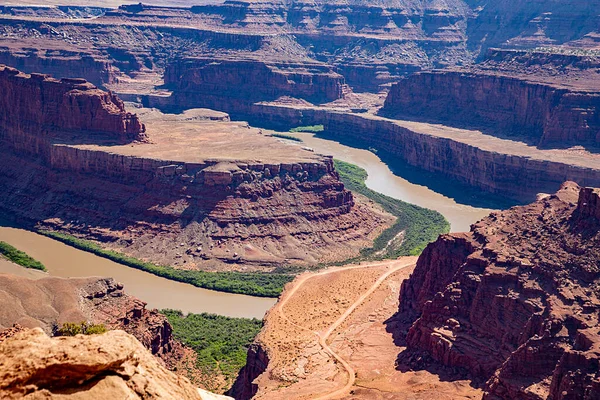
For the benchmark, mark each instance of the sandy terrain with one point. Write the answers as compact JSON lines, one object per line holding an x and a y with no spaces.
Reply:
{"x":198,"y":135}
{"x":327,"y":339}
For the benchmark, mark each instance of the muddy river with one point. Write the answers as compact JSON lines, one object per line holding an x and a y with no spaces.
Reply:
{"x":64,"y":261}
{"x":383,"y":180}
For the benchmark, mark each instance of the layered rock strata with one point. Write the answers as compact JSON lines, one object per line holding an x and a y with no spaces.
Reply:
{"x":510,"y":170}
{"x":111,"y":365}
{"x":212,"y":83}
{"x":515,"y":301}
{"x":48,"y":303}
{"x":544,"y":99}
{"x":36,"y":109}
{"x":200,"y":194}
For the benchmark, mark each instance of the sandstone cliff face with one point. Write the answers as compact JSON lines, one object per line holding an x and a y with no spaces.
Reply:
{"x":212,"y":83}
{"x":257,"y":361}
{"x":222,"y":212}
{"x":514,"y":176}
{"x":112,"y":365}
{"x":204,"y":212}
{"x":545,"y":98}
{"x":35,"y":108}
{"x":59,"y":63}
{"x":515,"y":301}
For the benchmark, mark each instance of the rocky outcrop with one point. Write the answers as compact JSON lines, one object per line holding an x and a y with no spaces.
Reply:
{"x":257,"y":361}
{"x":515,"y":94}
{"x":206,"y":211}
{"x":514,"y":301}
{"x":214,"y":83}
{"x":47,"y":303}
{"x":36,"y":108}
{"x":509,"y":170}
{"x":222,"y":212}
{"x":67,"y":63}
{"x":111,"y":365}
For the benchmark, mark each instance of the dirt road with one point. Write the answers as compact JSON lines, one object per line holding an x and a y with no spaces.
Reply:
{"x":393,"y":266}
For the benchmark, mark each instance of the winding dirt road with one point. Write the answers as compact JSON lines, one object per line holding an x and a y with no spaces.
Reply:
{"x":394,"y":266}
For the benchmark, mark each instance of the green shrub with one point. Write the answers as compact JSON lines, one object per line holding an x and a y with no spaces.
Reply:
{"x":288,"y":137}
{"x":86,"y":328}
{"x":19,"y":257}
{"x":420,"y":225}
{"x":310,"y":128}
{"x":251,"y":283}
{"x":221,"y":343}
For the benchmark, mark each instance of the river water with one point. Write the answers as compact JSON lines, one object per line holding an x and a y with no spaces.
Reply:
{"x":64,"y":261}
{"x":382,"y":180}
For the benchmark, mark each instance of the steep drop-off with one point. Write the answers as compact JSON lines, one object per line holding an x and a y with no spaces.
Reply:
{"x":113,"y":365}
{"x":48,"y":303}
{"x":544,"y":99}
{"x":515,"y":301}
{"x":35,"y":109}
{"x":197,"y":192}
{"x":213,"y":83}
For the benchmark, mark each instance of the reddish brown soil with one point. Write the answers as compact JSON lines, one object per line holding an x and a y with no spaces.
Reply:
{"x":327,"y":338}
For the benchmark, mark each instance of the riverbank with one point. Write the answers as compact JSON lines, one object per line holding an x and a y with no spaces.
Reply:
{"x":390,"y":182}
{"x":65,"y":261}
{"x":414,"y":228}
{"x":251,"y":284}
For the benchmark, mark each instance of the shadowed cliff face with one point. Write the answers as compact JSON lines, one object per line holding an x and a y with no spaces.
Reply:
{"x":547,"y":99}
{"x":516,"y":300}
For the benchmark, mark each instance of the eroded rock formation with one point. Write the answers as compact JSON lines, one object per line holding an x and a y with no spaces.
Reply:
{"x":213,"y":83}
{"x":515,"y":301}
{"x":47,"y":303}
{"x":36,"y":108}
{"x":196,"y":192}
{"x":112,"y":365}
{"x":546,"y":99}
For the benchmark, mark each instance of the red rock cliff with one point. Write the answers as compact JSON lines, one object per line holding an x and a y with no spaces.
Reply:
{"x":215,"y":83}
{"x":515,"y":301}
{"x":35,"y":108}
{"x":513,"y":93}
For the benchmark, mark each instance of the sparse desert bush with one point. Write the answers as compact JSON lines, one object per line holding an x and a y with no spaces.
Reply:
{"x":74,"y":328}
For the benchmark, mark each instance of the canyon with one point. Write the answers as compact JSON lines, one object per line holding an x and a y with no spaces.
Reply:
{"x":506,"y":311}
{"x":160,"y":138}
{"x":145,"y":191}
{"x":549,"y":100}
{"x":514,"y":301}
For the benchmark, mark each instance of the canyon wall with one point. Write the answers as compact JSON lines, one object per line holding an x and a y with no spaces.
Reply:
{"x":60,"y":63}
{"x":195,"y":214}
{"x":517,"y":176}
{"x":540,"y":113}
{"x":214,"y":83}
{"x":513,"y":301}
{"x":36,"y":108}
